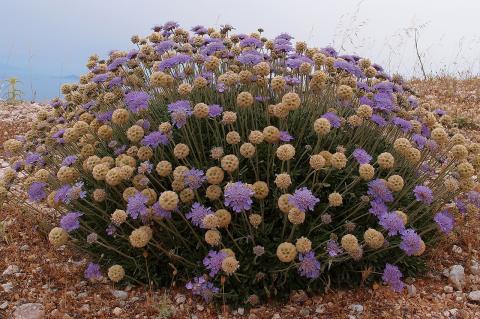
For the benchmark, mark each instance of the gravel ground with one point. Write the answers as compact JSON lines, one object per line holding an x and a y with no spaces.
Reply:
{"x":44,"y":282}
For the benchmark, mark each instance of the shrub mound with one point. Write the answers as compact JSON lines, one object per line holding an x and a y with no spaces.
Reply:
{"x":244,"y":168}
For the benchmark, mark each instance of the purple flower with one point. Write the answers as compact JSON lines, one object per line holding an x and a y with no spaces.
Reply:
{"x":285,"y":136}
{"x":251,"y":42}
{"x":214,"y":110}
{"x":474,"y":198}
{"x":36,"y":191}
{"x":379,"y":120}
{"x":111,"y":230}
{"x":393,"y":277}
{"x":250,"y":57}
{"x":93,"y":272}
{"x":34,"y":158}
{"x":333,"y":248}
{"x":203,"y":288}
{"x":180,"y":111}
{"x":62,"y":194}
{"x":349,"y":67}
{"x":197,"y":213}
{"x":158,"y":211}
{"x":329,"y":51}
{"x":136,"y":101}
{"x":238,"y":196}
{"x":404,"y":125}
{"x":384,"y":87}
{"x":69,"y":160}
{"x":116,"y":81}
{"x":174,"y":61}
{"x":309,"y":265}
{"x":118,"y":62}
{"x":103,"y":117}
{"x":378,"y":208}
{"x":383,"y":101}
{"x":411,"y":242}
{"x":461,"y":206}
{"x":445,"y":221}
{"x":137,"y":205}
{"x":379,"y":190}
{"x":70,"y":221}
{"x":76,"y":191}
{"x":333,"y":119}
{"x":423,"y":194}
{"x":194,"y":178}
{"x":213,"y":261}
{"x":303,"y":199}
{"x":296,"y":61}
{"x":419,"y":140}
{"x":392,"y":223}
{"x":154,"y":139}
{"x":361,"y":156}
{"x":100,"y":78}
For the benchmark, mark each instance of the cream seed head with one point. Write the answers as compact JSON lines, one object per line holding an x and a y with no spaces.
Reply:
{"x":385,"y":160}
{"x":283,"y":181}
{"x":116,"y":273}
{"x":285,"y":152}
{"x":286,"y":252}
{"x":230,"y":265}
{"x":322,"y":126}
{"x":168,"y":200}
{"x":373,"y":238}
{"x":247,"y":150}
{"x":335,"y":199}
{"x":303,"y":245}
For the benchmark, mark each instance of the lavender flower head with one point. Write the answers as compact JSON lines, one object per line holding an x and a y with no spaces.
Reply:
{"x":423,"y":194}
{"x":333,"y":248}
{"x":69,"y":160}
{"x":393,"y":277}
{"x":197,"y":213}
{"x":238,"y":196}
{"x":333,"y":119}
{"x":213,"y":261}
{"x":203,"y":288}
{"x":93,"y":272}
{"x":194,"y":178}
{"x":392,"y":223}
{"x":180,"y":111}
{"x":70,"y":221}
{"x":285,"y":136}
{"x":445,"y":221}
{"x":361,"y":156}
{"x":154,"y":139}
{"x":379,"y":190}
{"x":309,"y":265}
{"x":303,"y":199}
{"x":137,"y":101}
{"x":214,"y":110}
{"x":36,"y":191}
{"x":158,"y":211}
{"x":411,"y":242}
{"x":137,"y":205}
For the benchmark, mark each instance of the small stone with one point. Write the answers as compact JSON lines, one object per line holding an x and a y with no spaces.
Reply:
{"x":117,"y":311}
{"x":29,"y":311}
{"x":356,"y":308}
{"x":84,"y":308}
{"x":200,"y":307}
{"x":456,"y":249}
{"x":12,"y":269}
{"x":320,"y":309}
{"x":4,"y":305}
{"x":276,"y":316}
{"x":412,"y":290}
{"x":179,"y":298}
{"x":448,"y":289}
{"x":241,"y":311}
{"x":475,"y":267}
{"x":457,"y":276}
{"x":304,"y":312}
{"x":474,"y":295}
{"x":7,"y":287}
{"x":24,"y":248}
{"x":120,"y":294}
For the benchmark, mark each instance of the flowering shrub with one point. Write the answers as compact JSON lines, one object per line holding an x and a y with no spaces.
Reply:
{"x":244,"y":167}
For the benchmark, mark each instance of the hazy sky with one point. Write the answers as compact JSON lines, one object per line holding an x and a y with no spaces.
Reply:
{"x":47,"y":42}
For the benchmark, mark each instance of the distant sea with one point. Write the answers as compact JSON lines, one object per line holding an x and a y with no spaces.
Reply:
{"x":35,"y":86}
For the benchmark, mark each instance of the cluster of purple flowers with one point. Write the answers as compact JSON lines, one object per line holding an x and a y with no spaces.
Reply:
{"x":180,"y":111}
{"x":137,"y":205}
{"x":137,"y":101}
{"x":213,"y":261}
{"x":309,"y":265}
{"x":203,"y":288}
